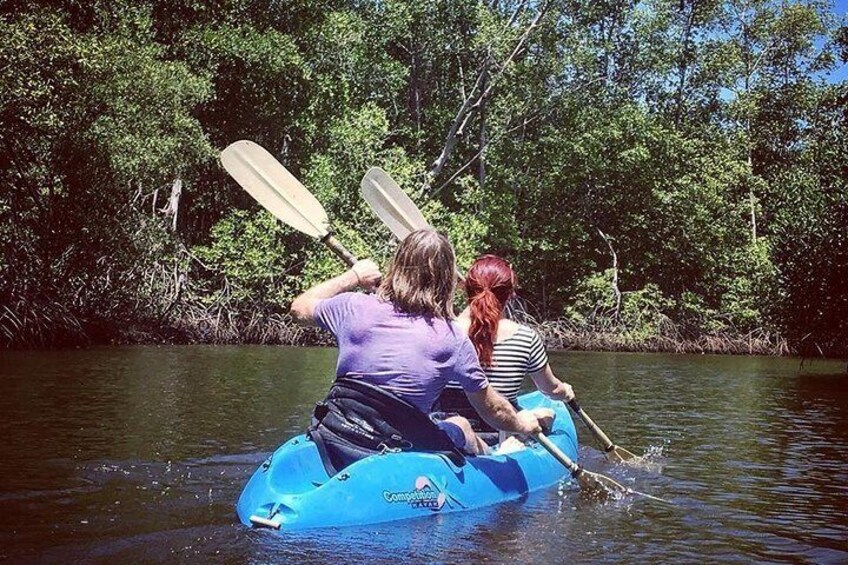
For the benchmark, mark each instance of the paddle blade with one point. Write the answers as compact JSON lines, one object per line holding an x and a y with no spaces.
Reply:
{"x":604,"y":488}
{"x":391,"y":204}
{"x":621,"y":455}
{"x":592,"y":484}
{"x":600,"y":486}
{"x":279,"y":192}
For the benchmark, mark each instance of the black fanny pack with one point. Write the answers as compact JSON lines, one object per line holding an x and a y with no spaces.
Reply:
{"x":357,"y":420}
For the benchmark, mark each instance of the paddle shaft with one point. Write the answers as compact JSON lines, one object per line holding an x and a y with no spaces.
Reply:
{"x":573,"y":467}
{"x":339,"y":249}
{"x":593,"y":427}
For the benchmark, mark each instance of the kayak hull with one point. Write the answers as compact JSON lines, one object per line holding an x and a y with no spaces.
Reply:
{"x":292,"y":491}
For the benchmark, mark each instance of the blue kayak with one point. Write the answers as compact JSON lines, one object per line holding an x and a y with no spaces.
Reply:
{"x":292,"y":491}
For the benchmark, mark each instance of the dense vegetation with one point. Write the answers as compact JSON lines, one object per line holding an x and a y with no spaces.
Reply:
{"x":658,"y":172}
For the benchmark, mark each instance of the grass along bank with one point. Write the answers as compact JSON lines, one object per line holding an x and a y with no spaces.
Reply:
{"x":54,"y":325}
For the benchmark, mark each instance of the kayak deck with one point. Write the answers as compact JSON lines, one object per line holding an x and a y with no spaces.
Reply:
{"x":292,"y":491}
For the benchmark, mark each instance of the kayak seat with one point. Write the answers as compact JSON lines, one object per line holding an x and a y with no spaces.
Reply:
{"x":357,"y":420}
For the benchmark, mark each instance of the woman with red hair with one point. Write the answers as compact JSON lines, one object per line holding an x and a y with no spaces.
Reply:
{"x":508,"y":351}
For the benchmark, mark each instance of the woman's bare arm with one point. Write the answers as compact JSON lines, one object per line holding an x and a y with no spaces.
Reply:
{"x":551,"y":386}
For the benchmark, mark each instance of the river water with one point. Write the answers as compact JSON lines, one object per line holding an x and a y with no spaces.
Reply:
{"x":138,"y":454}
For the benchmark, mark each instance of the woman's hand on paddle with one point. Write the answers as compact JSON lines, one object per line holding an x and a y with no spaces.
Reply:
{"x":367,"y":274}
{"x":562,"y":391}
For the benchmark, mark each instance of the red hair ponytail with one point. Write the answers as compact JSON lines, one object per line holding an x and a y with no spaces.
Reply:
{"x":489,"y":284}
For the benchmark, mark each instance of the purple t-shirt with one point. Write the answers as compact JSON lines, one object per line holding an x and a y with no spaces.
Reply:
{"x":411,"y":356}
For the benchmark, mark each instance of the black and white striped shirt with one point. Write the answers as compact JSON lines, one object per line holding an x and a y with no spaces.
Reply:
{"x":512,"y":359}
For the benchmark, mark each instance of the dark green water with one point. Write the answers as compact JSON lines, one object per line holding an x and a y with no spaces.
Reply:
{"x":138,"y":455}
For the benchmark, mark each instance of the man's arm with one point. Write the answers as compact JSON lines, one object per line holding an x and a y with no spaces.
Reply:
{"x":499,"y":413}
{"x":364,"y":273}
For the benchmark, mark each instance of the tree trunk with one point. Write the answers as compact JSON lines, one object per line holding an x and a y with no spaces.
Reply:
{"x":482,"y":162}
{"x":173,"y":206}
{"x":616,"y":291}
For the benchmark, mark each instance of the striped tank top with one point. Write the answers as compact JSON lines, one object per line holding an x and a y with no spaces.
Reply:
{"x":512,"y":359}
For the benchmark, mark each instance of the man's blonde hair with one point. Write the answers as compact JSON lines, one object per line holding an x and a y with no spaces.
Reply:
{"x":420,"y":278}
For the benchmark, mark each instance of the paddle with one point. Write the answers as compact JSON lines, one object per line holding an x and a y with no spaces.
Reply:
{"x":593,"y":484}
{"x":279,"y":192}
{"x":391,"y":204}
{"x":613,"y":452}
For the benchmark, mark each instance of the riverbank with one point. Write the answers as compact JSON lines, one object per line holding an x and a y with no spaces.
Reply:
{"x":57,"y":327}
{"x":563,"y":334}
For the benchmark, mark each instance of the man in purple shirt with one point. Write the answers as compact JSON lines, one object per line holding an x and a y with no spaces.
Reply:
{"x":403,"y":338}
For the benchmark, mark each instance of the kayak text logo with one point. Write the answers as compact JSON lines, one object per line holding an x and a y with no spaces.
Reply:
{"x":425,"y":495}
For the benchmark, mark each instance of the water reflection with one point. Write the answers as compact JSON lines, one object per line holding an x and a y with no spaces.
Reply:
{"x":139,"y":454}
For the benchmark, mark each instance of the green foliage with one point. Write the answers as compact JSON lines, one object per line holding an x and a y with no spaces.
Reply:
{"x":92,"y":124}
{"x":701,"y":137}
{"x":810,"y":245}
{"x":640,"y":315}
{"x":466,"y":231}
{"x":354,"y":142}
{"x":248,"y":250}
{"x":258,"y":77}
{"x":142,"y":123}
{"x":749,"y":292}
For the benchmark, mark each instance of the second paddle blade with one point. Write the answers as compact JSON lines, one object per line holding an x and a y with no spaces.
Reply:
{"x":621,"y":455}
{"x":391,"y":204}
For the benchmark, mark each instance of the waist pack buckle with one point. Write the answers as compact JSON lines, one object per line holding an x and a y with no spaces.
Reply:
{"x":383,"y":449}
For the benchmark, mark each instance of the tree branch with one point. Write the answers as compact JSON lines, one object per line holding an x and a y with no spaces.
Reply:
{"x":473,"y":100}
{"x":616,"y":291}
{"x":538,"y":115}
{"x":480,"y":152}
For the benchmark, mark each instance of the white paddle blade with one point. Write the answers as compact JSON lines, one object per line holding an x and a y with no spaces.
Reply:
{"x":260,"y":174}
{"x":391,"y":204}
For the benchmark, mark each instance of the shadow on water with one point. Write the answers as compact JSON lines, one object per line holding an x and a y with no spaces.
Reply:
{"x":138,"y":455}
